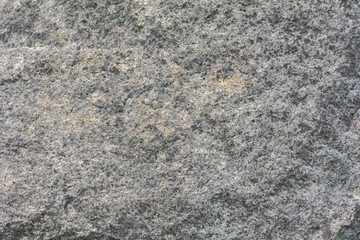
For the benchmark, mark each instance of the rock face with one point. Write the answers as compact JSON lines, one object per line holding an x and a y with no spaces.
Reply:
{"x":174,"y":119}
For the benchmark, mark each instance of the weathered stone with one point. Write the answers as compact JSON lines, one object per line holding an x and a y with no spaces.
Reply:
{"x":177,"y":119}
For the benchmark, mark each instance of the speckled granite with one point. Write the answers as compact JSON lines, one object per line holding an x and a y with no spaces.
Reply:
{"x":173,"y":119}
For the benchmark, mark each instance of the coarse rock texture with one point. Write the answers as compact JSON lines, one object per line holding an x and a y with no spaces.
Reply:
{"x":179,"y":119}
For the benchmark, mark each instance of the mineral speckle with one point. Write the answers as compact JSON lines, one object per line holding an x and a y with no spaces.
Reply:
{"x":177,"y":119}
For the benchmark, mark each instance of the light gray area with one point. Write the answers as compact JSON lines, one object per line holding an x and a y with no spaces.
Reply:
{"x":173,"y":119}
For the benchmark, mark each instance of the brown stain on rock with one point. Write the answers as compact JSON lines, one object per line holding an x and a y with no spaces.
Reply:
{"x":217,"y":81}
{"x":6,"y":184}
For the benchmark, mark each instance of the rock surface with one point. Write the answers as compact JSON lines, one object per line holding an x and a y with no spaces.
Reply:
{"x":174,"y":119}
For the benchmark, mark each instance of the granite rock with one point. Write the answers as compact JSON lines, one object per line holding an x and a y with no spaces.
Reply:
{"x":178,"y":119}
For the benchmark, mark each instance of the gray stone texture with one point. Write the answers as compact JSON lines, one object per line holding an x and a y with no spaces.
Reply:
{"x":179,"y":119}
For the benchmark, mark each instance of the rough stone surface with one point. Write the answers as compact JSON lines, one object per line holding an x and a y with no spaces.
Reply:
{"x":179,"y":119}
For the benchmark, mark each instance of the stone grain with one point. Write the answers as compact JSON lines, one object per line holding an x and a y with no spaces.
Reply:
{"x":177,"y":119}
